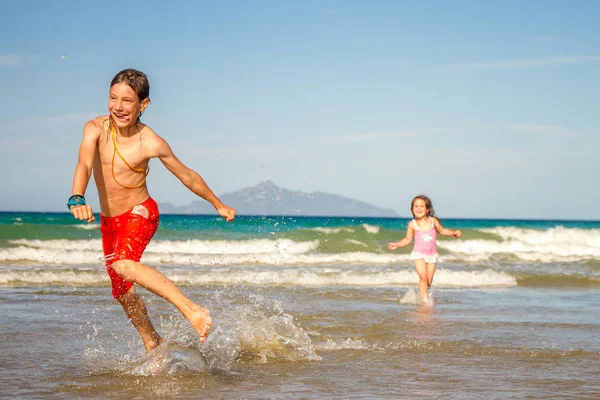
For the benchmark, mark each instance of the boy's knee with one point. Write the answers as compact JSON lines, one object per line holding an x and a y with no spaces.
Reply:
{"x":124,"y":268}
{"x":128,"y":298}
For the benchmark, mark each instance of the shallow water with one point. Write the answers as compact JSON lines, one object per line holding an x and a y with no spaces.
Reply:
{"x":298,"y":342}
{"x":305,"y":308}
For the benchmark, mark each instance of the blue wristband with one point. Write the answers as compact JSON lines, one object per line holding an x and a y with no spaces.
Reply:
{"x":75,"y":200}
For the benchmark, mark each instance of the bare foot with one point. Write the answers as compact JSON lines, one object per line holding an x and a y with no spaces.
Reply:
{"x":427,"y":301}
{"x":201,"y":321}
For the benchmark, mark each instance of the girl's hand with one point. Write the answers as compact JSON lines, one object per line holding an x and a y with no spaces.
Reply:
{"x":392,"y":246}
{"x":457,"y":234}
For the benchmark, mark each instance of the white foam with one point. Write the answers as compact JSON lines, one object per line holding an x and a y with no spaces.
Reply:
{"x":371,"y":228}
{"x":193,"y":252}
{"x":356,"y":242}
{"x":332,"y":230}
{"x":87,"y":227}
{"x":552,"y":245}
{"x":267,"y":276}
{"x":222,"y":247}
{"x":411,"y":297}
{"x":37,"y":277}
{"x":348,"y":344}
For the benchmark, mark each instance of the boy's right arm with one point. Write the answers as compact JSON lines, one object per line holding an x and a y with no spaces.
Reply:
{"x":83,"y":170}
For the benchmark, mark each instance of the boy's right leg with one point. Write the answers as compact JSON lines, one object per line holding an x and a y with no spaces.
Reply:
{"x":138,"y":315}
{"x":157,"y":283}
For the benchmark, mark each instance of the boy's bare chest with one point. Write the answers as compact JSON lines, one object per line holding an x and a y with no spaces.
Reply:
{"x":123,"y":153}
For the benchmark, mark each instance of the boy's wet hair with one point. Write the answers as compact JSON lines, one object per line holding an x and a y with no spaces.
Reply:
{"x":428,"y":205}
{"x":136,"y":80}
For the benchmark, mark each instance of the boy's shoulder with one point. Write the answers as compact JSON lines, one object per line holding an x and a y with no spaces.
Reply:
{"x":95,"y":126}
{"x":98,"y":122}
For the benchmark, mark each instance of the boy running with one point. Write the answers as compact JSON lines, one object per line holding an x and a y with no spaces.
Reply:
{"x":117,"y":148}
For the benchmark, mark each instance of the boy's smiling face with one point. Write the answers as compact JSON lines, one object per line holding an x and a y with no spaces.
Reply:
{"x":124,"y":105}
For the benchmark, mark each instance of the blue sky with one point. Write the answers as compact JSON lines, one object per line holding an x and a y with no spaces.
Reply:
{"x":490,"y":108}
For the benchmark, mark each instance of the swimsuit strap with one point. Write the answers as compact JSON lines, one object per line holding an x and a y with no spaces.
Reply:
{"x":144,"y":171}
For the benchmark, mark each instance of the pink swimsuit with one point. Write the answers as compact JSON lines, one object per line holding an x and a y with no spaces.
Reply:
{"x":425,"y":244}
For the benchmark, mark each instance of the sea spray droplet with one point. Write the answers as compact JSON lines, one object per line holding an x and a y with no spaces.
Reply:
{"x":221,"y":349}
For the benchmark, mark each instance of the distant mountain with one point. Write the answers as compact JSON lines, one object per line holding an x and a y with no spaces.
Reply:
{"x":266,"y":198}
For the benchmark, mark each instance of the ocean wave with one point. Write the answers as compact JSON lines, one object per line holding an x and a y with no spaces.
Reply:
{"x":157,"y":254}
{"x":302,"y":247}
{"x":267,"y":277}
{"x":87,"y":227}
{"x":552,"y":245}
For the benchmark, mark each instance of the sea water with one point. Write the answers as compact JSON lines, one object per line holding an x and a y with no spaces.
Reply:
{"x":305,"y":307}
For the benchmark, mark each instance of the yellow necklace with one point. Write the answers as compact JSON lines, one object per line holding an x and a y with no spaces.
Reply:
{"x":144,"y":171}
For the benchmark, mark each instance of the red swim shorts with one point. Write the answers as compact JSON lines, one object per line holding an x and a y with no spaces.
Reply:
{"x":125,"y":237}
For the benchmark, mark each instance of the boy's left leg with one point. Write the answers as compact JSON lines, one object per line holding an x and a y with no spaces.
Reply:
{"x":125,"y":237}
{"x":138,"y":315}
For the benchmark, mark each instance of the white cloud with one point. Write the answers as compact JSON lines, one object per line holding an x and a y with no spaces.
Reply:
{"x":10,"y":59}
{"x":522,"y":63}
{"x":543,"y":130}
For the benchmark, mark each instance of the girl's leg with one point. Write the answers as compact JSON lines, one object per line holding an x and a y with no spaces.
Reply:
{"x":430,"y":273}
{"x":160,"y":285}
{"x":421,"y":268}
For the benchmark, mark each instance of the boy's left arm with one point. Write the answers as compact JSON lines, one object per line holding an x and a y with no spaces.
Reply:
{"x":192,"y":180}
{"x":446,"y":232}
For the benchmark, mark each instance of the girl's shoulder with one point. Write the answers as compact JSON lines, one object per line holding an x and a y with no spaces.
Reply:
{"x":414,"y":224}
{"x":434,"y":221}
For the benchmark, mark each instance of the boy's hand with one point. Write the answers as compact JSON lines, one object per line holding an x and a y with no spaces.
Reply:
{"x":457,"y":234}
{"x":226,"y":212}
{"x":83,"y":212}
{"x":392,"y":246}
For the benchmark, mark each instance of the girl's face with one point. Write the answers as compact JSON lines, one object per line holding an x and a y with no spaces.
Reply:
{"x":124,"y":105}
{"x":419,"y":209}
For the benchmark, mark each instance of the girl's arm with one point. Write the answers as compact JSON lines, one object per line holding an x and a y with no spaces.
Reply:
{"x":406,"y":241}
{"x":446,"y":232}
